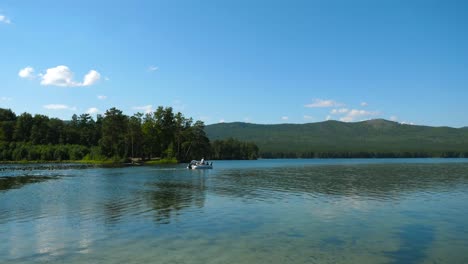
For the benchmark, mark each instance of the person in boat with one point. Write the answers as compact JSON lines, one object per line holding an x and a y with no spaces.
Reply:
{"x":202,"y":161}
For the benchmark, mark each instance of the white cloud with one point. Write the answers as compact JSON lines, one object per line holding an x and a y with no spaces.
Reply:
{"x":106,"y":78}
{"x":145,"y":108}
{"x":152,"y":68}
{"x":323,"y":103}
{"x":339,"y":111}
{"x":284,"y":118}
{"x":92,"y":111}
{"x":355,"y":114}
{"x":62,"y":76}
{"x":27,"y":72}
{"x":5,"y":99}
{"x":394,"y":118}
{"x":329,"y":117}
{"x":91,"y":78}
{"x":364,"y":104}
{"x":308,"y":117}
{"x":247,"y":119}
{"x":5,"y":19}
{"x":407,"y":123}
{"x":59,"y":107}
{"x":102,"y":97}
{"x":222,"y":121}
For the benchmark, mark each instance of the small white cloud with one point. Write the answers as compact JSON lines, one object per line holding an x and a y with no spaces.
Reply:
{"x":27,"y":73}
{"x":329,"y":117}
{"x":222,"y":121}
{"x":339,"y":111}
{"x":356,"y":114}
{"x":394,"y":118}
{"x":152,"y":68}
{"x":91,"y":78}
{"x":102,"y":97}
{"x":323,"y":103}
{"x":59,"y":107}
{"x":247,"y":119}
{"x":145,"y":108}
{"x":308,"y":117}
{"x":364,"y":104}
{"x":92,"y":111}
{"x":62,"y":76}
{"x":5,"y":99}
{"x":4,"y":19}
{"x":106,"y":78}
{"x":284,"y":118}
{"x":407,"y":123}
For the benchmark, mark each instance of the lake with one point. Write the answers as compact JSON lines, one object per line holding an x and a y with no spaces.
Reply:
{"x":264,"y":211}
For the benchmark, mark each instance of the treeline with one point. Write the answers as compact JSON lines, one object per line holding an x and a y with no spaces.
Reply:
{"x":230,"y":149}
{"x":362,"y":154}
{"x":112,"y":136}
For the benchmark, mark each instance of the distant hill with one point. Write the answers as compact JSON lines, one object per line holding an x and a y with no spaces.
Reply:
{"x":373,"y":138}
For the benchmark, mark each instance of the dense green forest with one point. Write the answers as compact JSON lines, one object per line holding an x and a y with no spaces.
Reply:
{"x":377,"y":138}
{"x":113,"y":136}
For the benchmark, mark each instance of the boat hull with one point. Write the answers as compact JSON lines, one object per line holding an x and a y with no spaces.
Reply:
{"x":201,"y":167}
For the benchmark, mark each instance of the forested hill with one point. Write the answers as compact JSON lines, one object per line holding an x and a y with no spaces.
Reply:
{"x":373,"y":138}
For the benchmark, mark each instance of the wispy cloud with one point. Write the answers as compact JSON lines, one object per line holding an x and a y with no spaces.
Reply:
{"x":5,"y":99}
{"x":152,"y":68}
{"x":92,"y":111}
{"x":4,"y":19}
{"x":323,"y":103}
{"x":284,"y":118}
{"x":102,"y":97}
{"x":394,"y":118}
{"x":27,"y":73}
{"x":339,"y":111}
{"x":59,"y":107}
{"x":355,"y":115}
{"x":61,"y":76}
{"x":145,"y":108}
{"x":222,"y":120}
{"x":308,"y":117}
{"x":364,"y":104}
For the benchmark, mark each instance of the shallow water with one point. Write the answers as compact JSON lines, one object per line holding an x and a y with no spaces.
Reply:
{"x":265,"y":211}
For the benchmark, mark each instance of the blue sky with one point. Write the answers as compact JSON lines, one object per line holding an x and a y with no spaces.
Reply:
{"x":255,"y":61}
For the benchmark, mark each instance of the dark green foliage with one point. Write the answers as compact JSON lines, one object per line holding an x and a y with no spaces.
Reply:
{"x":114,"y":136}
{"x":114,"y":132}
{"x":332,"y":139}
{"x":232,"y":149}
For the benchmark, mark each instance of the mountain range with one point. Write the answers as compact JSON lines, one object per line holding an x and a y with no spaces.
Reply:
{"x":372,"y":138}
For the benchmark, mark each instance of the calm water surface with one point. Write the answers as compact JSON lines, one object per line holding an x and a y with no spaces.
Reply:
{"x":266,"y":211}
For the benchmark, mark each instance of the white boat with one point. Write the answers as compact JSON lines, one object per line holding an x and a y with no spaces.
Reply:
{"x":197,"y":165}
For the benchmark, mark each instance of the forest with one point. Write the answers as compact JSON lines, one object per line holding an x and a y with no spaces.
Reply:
{"x":160,"y":135}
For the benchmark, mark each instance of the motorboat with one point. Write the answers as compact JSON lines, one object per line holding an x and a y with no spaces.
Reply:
{"x":202,"y":164}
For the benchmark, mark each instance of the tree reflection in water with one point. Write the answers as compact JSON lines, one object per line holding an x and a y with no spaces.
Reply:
{"x":169,"y":198}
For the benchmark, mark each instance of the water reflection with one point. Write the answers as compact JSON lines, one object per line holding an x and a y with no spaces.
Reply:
{"x":379,"y":182}
{"x":415,"y":241}
{"x":326,"y":213}
{"x":169,"y":198}
{"x":16,"y":182}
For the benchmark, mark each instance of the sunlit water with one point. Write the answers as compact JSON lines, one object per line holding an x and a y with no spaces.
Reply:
{"x":266,"y":211}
